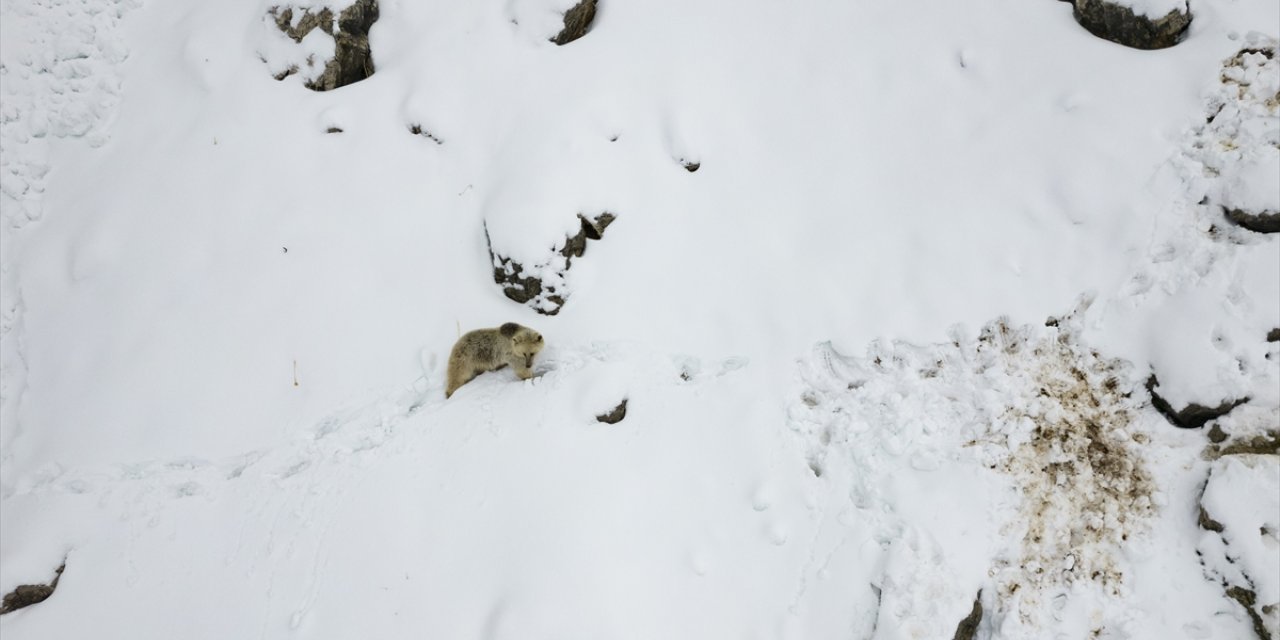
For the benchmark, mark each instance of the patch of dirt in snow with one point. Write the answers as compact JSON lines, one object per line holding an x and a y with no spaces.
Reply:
{"x":1084,"y":485}
{"x":1052,"y":425}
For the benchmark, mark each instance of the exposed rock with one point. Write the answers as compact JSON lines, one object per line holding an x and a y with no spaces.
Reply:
{"x":968,"y":628}
{"x":1118,"y":23}
{"x":1207,"y":523}
{"x":1240,"y":514}
{"x":690,"y":165}
{"x":1216,"y":434}
{"x":1249,"y":600}
{"x":29,"y":594}
{"x":614,"y":417}
{"x":541,"y":286}
{"x":352,"y":59}
{"x":1273,"y":335}
{"x":577,"y":21}
{"x":1259,"y":222}
{"x":1263,"y":443}
{"x":1192,"y":416}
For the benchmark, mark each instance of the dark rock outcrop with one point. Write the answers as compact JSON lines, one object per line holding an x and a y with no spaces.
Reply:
{"x":1249,"y":600}
{"x":1258,"y":222}
{"x":577,"y":21}
{"x":29,"y":594}
{"x":1192,"y":416}
{"x":1118,"y":23}
{"x":614,"y":417}
{"x":968,"y":628}
{"x":1265,"y":443}
{"x":352,"y":59}
{"x":1237,"y":583}
{"x":545,"y":292}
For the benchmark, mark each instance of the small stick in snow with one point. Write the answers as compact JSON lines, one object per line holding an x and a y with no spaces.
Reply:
{"x":295,"y":373}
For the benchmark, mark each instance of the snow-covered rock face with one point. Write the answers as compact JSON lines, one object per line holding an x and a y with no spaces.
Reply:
{"x":1142,"y":24}
{"x":332,"y":43}
{"x":1234,"y":155}
{"x":543,"y":284}
{"x":1240,"y":545}
{"x":1249,"y":138}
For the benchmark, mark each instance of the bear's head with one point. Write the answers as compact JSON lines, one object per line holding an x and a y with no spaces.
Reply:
{"x":525,"y":344}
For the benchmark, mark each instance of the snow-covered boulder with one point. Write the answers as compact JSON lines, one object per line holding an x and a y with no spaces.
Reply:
{"x":1142,"y":24}
{"x":542,"y":284}
{"x":1192,"y":415}
{"x":334,"y":51}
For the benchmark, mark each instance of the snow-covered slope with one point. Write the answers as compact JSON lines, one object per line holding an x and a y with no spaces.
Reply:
{"x":885,"y":351}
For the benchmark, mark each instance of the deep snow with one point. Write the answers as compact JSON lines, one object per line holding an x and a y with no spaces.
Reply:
{"x":224,"y":327}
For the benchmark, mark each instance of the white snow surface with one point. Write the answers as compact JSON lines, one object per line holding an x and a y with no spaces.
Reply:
{"x":883,"y":353}
{"x":1154,"y":9}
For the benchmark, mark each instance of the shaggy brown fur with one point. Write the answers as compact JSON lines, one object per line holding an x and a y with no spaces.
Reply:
{"x":491,"y":349}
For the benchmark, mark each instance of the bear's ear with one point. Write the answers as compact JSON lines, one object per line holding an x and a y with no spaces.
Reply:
{"x":509,"y":329}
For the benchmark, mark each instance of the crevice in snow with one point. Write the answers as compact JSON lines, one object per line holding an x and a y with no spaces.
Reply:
{"x":1192,"y":416}
{"x":418,"y":130}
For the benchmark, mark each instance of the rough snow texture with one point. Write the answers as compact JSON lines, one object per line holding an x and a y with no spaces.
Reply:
{"x":59,"y":79}
{"x":331,"y":43}
{"x":1238,"y":147}
{"x":231,"y":326}
{"x":1242,"y":501}
{"x":1040,"y":420}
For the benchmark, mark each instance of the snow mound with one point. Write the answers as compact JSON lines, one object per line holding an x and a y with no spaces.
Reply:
{"x":1237,"y":149}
